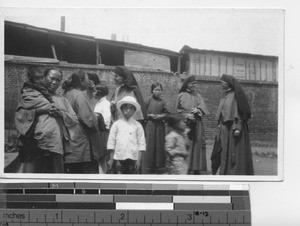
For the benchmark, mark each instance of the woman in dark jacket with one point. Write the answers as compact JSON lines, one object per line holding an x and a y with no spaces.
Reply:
{"x":233,"y":114}
{"x":86,"y":150}
{"x":44,"y":120}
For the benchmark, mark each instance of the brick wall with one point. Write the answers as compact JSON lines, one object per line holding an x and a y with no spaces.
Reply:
{"x":263,"y":99}
{"x":262,"y":95}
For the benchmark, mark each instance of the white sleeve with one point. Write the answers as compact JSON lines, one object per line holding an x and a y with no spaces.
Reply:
{"x":111,"y":142}
{"x":106,"y":113}
{"x":97,"y":108}
{"x":141,"y":138}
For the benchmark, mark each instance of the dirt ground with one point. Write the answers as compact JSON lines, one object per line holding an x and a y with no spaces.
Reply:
{"x":264,"y":159}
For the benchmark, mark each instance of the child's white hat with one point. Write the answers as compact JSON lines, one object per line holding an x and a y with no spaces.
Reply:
{"x":129,"y":100}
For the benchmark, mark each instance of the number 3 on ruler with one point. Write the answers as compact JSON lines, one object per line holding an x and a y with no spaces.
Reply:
{"x":189,"y":217}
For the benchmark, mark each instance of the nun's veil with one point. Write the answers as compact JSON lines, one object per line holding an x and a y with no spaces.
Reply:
{"x":240,"y":96}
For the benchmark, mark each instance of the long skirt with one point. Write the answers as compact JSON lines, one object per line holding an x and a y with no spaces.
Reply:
{"x":154,"y":157}
{"x":197,"y":149}
{"x":236,"y":155}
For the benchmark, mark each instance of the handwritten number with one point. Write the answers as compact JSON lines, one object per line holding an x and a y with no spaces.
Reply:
{"x":205,"y":213}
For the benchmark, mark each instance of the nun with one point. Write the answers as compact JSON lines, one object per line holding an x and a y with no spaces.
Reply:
{"x":191,"y":104}
{"x":233,"y":114}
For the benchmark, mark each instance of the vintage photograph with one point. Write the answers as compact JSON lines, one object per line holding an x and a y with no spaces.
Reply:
{"x":150,"y":93}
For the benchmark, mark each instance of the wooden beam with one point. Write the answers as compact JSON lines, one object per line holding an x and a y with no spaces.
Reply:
{"x":179,"y":64}
{"x":53,"y":52}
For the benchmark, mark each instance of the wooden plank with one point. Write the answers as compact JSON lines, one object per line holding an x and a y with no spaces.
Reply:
{"x":215,"y":67}
{"x":275,"y":71}
{"x":251,"y":70}
{"x":15,"y":58}
{"x":202,"y":64}
{"x":179,"y":64}
{"x":239,"y":68}
{"x":269,"y":71}
{"x":263,"y":70}
{"x":260,"y":70}
{"x":219,"y":66}
{"x":98,"y":54}
{"x":230,"y":65}
{"x":246,"y":71}
{"x":146,"y":60}
{"x":222,"y":65}
{"x":207,"y":65}
{"x":192,"y":64}
{"x":54,"y":52}
{"x":210,"y":65}
{"x":257,"y":70}
{"x":197,"y":64}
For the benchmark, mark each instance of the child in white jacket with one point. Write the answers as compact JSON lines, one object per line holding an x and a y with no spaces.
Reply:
{"x":126,"y":140}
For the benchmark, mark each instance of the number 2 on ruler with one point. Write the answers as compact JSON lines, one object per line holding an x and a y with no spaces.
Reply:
{"x":122,"y":217}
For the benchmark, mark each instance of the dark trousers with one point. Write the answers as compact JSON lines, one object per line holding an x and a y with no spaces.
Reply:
{"x":82,"y":167}
{"x":49,"y":162}
{"x":126,"y":166}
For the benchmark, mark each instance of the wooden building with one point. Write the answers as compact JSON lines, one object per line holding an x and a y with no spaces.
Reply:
{"x":26,"y":40}
{"x":135,"y":55}
{"x":240,"y":65}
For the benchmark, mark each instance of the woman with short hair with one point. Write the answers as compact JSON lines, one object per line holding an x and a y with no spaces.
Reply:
{"x":43,"y":119}
{"x":85,"y":150}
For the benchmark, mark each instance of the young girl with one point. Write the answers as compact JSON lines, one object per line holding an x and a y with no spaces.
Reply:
{"x":102,"y":109}
{"x":175,"y":146}
{"x":154,"y":158}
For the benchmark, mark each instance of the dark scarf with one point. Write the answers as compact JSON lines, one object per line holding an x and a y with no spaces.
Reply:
{"x":130,"y":84}
{"x":240,"y":96}
{"x":39,"y":88}
{"x":186,"y":82}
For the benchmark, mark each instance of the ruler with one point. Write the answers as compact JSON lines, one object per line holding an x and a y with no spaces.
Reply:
{"x":116,"y":204}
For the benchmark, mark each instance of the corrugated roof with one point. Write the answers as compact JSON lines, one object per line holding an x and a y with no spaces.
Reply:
{"x":135,"y":46}
{"x":126,"y":45}
{"x":186,"y":49}
{"x":39,"y":29}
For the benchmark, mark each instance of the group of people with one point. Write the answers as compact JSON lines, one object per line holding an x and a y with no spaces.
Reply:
{"x":82,"y":131}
